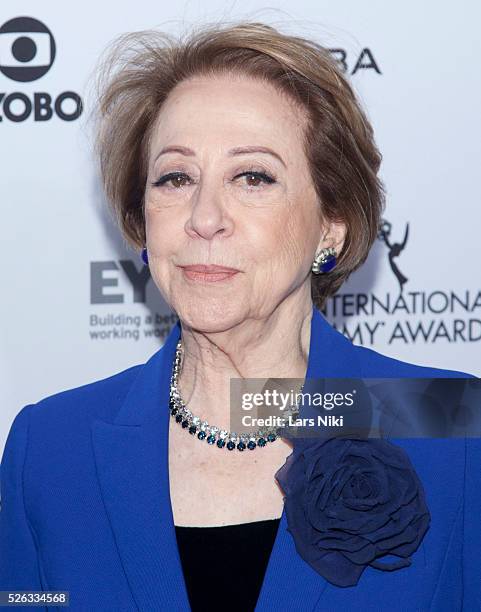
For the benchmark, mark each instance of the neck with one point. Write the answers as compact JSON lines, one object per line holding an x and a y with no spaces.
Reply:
{"x":274,"y":346}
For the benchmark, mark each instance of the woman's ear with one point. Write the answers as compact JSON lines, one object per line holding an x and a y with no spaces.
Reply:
{"x":333,"y":235}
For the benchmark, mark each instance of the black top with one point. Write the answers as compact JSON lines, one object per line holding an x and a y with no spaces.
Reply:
{"x":224,"y":567}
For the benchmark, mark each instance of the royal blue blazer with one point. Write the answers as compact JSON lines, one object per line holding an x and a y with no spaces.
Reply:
{"x":85,"y":502}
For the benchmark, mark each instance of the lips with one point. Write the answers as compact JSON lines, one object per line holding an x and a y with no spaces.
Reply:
{"x":208,"y":273}
{"x":211,"y":269}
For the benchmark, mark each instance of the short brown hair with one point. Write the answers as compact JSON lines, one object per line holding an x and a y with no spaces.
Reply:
{"x":142,"y":68}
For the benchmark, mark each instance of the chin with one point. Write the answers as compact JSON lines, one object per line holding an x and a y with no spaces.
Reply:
{"x":212,"y":315}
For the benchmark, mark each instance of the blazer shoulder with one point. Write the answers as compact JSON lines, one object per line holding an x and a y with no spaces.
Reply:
{"x":97,"y":399}
{"x":376,"y":364}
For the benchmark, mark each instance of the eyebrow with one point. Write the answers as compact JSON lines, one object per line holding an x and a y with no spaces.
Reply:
{"x":232,"y":152}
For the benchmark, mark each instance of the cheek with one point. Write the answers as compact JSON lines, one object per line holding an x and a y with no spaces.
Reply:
{"x":162,"y":232}
{"x":296,"y":240}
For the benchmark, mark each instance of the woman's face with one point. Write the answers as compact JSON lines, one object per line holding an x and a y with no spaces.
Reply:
{"x":214,"y":198}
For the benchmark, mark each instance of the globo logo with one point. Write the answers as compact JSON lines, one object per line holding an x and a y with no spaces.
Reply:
{"x":27,"y":49}
{"x":27,"y":52}
{"x":17,"y":106}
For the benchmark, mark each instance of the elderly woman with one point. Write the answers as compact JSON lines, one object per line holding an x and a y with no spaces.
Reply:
{"x":240,"y":164}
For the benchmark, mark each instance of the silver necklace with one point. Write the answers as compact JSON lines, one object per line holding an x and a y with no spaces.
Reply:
{"x":210,"y":433}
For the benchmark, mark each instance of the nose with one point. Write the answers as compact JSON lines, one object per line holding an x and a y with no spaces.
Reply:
{"x":209,"y":215}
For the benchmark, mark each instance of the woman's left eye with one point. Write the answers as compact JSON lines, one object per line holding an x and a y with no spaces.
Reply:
{"x":256,"y":177}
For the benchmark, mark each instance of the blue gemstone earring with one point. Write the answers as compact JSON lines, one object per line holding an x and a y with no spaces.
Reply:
{"x":144,"y":256}
{"x":324,"y":261}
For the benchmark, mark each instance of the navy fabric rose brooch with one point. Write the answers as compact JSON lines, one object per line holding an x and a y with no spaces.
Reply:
{"x":351,"y":501}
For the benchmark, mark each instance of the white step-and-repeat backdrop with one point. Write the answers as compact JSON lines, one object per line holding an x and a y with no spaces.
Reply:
{"x":77,"y":305}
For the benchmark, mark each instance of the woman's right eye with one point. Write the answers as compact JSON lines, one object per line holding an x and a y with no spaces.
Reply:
{"x":175,"y":178}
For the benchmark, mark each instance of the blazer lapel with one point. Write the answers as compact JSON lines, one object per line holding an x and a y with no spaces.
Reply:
{"x":131,"y":456}
{"x":290,"y":583}
{"x":132,"y":466}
